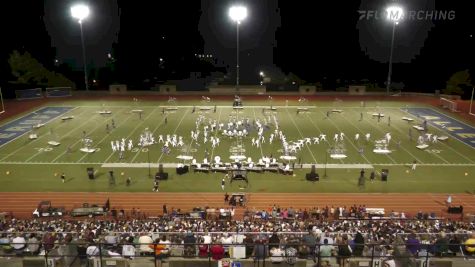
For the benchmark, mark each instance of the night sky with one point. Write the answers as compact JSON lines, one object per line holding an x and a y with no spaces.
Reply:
{"x":319,"y":41}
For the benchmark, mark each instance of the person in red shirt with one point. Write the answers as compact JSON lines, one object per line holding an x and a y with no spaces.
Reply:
{"x":217,"y":251}
{"x":202,"y":249}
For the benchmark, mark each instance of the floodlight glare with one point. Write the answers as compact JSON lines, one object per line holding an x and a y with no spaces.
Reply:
{"x":80,"y":12}
{"x":394,"y":13}
{"x":261,"y":73}
{"x":238,"y":13}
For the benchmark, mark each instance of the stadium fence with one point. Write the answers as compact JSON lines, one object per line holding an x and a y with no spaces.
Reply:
{"x":34,"y":93}
{"x":58,"y":92}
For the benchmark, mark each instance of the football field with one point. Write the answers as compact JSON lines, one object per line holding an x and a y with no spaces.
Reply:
{"x":356,"y":137}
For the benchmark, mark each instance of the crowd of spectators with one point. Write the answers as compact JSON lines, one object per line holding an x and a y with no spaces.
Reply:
{"x":278,"y":233}
{"x":283,"y":238}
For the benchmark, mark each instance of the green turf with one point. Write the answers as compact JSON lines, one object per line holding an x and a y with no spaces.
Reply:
{"x":32,"y":164}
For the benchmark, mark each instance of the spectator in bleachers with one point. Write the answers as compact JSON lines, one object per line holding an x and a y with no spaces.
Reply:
{"x":413,"y":244}
{"x":260,"y":250}
{"x":249,"y":242}
{"x":206,"y":238}
{"x":128,"y":250}
{"x":454,"y":244}
{"x":190,"y":245}
{"x":68,"y":250}
{"x":18,"y":243}
{"x":92,"y":250}
{"x":307,"y":249}
{"x":48,"y":241}
{"x":325,"y":252}
{"x":145,"y":241}
{"x":274,"y":241}
{"x":441,"y":245}
{"x":276,"y":255}
{"x":176,"y":247}
{"x":217,"y":251}
{"x":469,"y":245}
{"x":161,"y":250}
{"x":203,"y":249}
{"x":358,"y":244}
{"x":110,"y":239}
{"x":291,"y":254}
{"x":344,"y":250}
{"x":33,"y":244}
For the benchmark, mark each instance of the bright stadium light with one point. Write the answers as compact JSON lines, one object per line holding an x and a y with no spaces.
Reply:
{"x":261,"y":74}
{"x":237,"y":14}
{"x":81,"y":12}
{"x":394,"y":14}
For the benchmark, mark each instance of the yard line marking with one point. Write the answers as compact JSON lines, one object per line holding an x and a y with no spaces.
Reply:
{"x":133,"y":131}
{"x":298,"y":129}
{"x":446,"y":132}
{"x":437,"y":155}
{"x":326,"y":141}
{"x":412,"y":155}
{"x":255,"y":118}
{"x":215,"y":134}
{"x":153,"y":103}
{"x":174,"y":131}
{"x":350,"y":140}
{"x":106,"y":136}
{"x":305,"y":166}
{"x":64,"y":136}
{"x":93,"y":129}
{"x":18,"y":149}
{"x":154,"y":130}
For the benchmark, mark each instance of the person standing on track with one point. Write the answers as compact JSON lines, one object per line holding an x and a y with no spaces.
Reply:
{"x":449,"y":201}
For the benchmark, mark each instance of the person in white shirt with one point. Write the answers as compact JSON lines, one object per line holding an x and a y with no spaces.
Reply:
{"x":92,"y":251}
{"x":128,"y":250}
{"x":207,"y":238}
{"x":276,"y":255}
{"x":145,"y":241}
{"x":18,"y":242}
{"x":389,"y":262}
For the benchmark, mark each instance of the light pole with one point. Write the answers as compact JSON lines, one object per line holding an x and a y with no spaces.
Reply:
{"x":80,"y":12}
{"x":148,"y":159}
{"x":394,"y":14}
{"x":237,"y":14}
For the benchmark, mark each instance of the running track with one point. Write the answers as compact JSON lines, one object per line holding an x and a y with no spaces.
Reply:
{"x":22,"y":204}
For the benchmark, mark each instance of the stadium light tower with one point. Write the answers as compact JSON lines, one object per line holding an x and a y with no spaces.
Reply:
{"x":81,"y":12}
{"x":394,"y":14}
{"x":237,"y":14}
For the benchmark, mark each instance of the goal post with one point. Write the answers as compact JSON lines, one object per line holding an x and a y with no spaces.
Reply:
{"x":471,"y":102}
{"x":2,"y":108}
{"x":448,"y":104}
